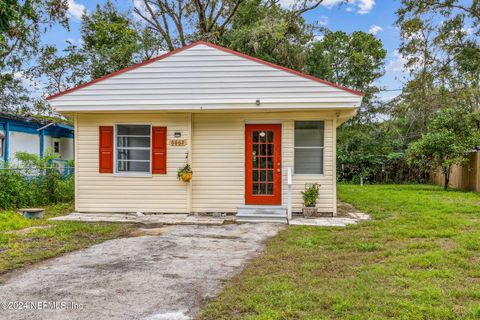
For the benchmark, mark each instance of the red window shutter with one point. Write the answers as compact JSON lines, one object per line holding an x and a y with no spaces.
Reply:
{"x":159,"y":150}
{"x":106,"y":149}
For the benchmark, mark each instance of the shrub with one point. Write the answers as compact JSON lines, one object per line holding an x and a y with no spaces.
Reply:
{"x":33,"y":182}
{"x":310,"y":195}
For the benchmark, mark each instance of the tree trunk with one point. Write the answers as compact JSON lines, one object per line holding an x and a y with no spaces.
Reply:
{"x":446,"y":173}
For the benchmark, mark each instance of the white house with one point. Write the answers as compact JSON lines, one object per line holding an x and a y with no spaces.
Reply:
{"x":240,"y":123}
{"x":24,"y":134}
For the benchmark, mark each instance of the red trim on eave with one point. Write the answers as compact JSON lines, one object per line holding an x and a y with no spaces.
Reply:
{"x":163,"y":56}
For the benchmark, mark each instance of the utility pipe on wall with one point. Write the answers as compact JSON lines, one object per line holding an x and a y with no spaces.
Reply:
{"x":289,"y":193}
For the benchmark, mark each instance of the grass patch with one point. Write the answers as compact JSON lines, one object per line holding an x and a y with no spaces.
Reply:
{"x":45,"y":239}
{"x":419,"y":259}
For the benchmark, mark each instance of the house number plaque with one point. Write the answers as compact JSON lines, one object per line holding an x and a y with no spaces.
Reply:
{"x":178,"y":142}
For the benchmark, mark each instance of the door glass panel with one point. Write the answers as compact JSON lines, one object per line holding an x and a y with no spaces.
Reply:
{"x":263,"y":162}
{"x":270,"y":175}
{"x":255,"y":136}
{"x":270,"y":162}
{"x":263,"y":174}
{"x":263,"y":136}
{"x":255,"y":175}
{"x":270,"y":136}
{"x":263,"y":189}
{"x":270,"y":188}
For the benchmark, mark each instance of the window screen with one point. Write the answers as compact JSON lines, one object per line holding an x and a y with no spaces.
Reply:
{"x":133,"y":148}
{"x":309,"y":136}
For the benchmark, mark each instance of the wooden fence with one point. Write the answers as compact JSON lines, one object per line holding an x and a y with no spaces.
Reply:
{"x":466,"y":177}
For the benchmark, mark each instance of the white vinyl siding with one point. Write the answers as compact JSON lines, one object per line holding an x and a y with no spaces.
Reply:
{"x":207,"y":78}
{"x":218,"y":163}
{"x":101,"y":192}
{"x":219,"y":159}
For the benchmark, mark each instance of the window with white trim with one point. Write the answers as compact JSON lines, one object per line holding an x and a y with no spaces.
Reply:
{"x":309,"y":147}
{"x":133,"y":148}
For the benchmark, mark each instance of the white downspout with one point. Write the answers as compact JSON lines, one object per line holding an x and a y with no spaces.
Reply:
{"x":289,"y":194}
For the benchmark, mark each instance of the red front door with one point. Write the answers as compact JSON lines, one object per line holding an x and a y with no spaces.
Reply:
{"x":263,"y":164}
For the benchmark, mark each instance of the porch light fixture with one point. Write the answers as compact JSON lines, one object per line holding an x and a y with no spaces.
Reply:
{"x":257,"y":102}
{"x":177,"y":134}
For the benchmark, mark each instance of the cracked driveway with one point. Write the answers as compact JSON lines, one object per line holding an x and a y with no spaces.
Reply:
{"x":165,"y":276}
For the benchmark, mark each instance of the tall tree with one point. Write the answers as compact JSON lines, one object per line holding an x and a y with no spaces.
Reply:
{"x":21,"y":25}
{"x":440,"y":43}
{"x":110,"y":41}
{"x":269,"y":32}
{"x":61,"y":71}
{"x":180,"y":22}
{"x":355,"y":60}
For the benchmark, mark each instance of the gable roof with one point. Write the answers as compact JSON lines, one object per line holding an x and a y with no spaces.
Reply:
{"x":161,"y":57}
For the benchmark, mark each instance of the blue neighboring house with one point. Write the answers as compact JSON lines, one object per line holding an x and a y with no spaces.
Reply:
{"x":19,"y":133}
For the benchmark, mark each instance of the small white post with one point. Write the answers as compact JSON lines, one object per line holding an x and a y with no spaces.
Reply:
{"x":289,"y":193}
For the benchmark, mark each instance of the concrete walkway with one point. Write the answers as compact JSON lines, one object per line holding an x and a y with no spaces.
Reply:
{"x":322,"y":221}
{"x":162,"y":276}
{"x":343,"y":221}
{"x":146,"y":219}
{"x":185,"y":219}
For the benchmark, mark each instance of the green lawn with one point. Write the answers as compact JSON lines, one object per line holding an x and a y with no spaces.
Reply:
{"x":419,"y":259}
{"x":22,"y":247}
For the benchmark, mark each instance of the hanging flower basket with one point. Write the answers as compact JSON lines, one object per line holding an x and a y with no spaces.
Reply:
{"x":186,"y":177}
{"x":185,"y":174}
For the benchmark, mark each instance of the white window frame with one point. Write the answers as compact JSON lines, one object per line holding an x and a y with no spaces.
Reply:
{"x":323,"y":148}
{"x":115,"y":151}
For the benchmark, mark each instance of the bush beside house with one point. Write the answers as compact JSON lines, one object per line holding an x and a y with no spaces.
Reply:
{"x":34,"y":181}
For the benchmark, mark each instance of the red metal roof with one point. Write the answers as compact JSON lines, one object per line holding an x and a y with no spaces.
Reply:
{"x":295,"y":72}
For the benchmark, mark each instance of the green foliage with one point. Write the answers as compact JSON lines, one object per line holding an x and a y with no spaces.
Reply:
{"x":33,"y":182}
{"x":21,"y":25}
{"x":441,"y":49}
{"x":269,"y":33}
{"x":372,"y":151}
{"x":310,"y":195}
{"x":451,"y":135}
{"x":185,"y":169}
{"x":354,"y":60}
{"x":61,"y":71}
{"x":110,"y":41}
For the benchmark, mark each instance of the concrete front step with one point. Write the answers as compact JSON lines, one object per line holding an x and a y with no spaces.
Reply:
{"x":276,"y":214}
